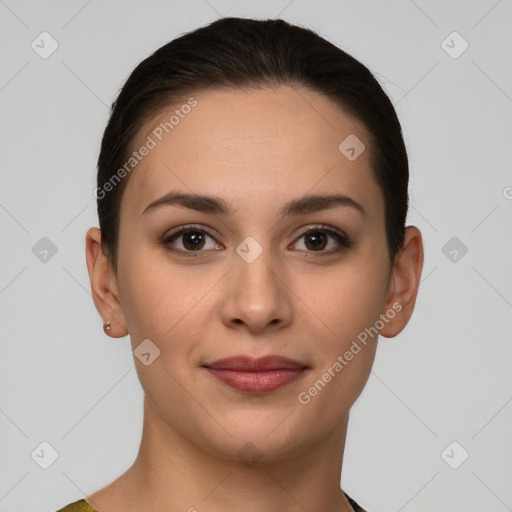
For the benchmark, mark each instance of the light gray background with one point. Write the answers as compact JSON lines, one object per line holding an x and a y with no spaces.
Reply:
{"x":446,"y":378}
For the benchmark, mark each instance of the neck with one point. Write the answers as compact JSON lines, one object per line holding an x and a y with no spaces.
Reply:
{"x":171,"y":473}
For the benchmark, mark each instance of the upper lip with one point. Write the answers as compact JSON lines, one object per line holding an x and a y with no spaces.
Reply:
{"x":249,"y":364}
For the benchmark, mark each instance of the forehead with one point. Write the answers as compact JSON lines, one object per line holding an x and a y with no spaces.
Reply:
{"x":283,"y":141}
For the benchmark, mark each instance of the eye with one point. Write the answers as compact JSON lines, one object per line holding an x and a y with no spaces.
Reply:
{"x":322,"y":240}
{"x":189,"y":240}
{"x":192,"y":241}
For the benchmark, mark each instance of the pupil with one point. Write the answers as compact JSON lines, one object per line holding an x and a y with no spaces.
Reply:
{"x":193,"y":240}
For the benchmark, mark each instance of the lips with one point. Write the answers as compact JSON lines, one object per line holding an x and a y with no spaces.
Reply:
{"x":256,"y":376}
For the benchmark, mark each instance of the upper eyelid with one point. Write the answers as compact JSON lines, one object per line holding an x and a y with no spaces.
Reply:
{"x":191,"y":227}
{"x":322,"y":227}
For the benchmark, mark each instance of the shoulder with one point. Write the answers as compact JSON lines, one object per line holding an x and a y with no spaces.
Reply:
{"x":77,"y":506}
{"x":83,"y":506}
{"x":355,"y":506}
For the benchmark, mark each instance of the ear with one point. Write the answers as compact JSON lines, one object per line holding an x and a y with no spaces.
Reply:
{"x":404,"y":282}
{"x":104,"y":285}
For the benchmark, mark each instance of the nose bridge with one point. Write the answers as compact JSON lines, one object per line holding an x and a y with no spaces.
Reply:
{"x":254,"y":279}
{"x":256,"y":294}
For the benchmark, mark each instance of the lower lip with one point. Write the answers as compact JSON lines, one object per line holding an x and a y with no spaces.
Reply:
{"x":257,"y":382}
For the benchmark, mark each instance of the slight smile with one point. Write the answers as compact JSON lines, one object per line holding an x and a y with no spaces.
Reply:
{"x":256,"y":376}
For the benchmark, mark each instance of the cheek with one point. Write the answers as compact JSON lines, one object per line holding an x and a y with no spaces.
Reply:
{"x":346,"y":299}
{"x":146,"y":294}
{"x":161,"y":300}
{"x":348,"y":302}
{"x":163,"y":305}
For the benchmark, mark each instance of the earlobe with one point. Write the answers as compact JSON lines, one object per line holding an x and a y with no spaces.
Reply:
{"x":104,"y":286}
{"x":405,"y":279}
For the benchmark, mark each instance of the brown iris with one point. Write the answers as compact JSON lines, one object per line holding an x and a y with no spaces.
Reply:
{"x":193,"y":240}
{"x":318,"y":240}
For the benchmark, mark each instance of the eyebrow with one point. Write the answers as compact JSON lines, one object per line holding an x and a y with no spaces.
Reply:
{"x":216,"y":205}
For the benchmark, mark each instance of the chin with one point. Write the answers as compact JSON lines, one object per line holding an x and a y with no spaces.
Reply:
{"x":251,"y":438}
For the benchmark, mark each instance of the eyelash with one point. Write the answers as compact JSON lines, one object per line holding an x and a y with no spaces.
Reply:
{"x":342,"y":239}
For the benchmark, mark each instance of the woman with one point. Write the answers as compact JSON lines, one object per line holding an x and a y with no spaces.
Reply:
{"x":252,"y":199}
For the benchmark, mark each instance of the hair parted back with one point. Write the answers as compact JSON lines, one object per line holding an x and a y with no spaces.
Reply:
{"x":250,"y":54}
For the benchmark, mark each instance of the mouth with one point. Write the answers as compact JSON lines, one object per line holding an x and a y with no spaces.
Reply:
{"x":256,"y":376}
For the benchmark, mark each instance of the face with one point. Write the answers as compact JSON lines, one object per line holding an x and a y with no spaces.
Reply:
{"x":259,"y":270}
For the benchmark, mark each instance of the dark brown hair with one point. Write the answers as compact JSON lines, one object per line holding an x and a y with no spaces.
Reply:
{"x":248,"y":54}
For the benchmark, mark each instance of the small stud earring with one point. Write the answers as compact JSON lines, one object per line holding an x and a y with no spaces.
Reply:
{"x":107,"y":327}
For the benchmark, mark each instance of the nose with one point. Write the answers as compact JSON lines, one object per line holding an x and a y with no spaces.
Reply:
{"x":257,"y":297}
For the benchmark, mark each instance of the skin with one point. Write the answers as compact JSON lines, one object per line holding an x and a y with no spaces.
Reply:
{"x":256,"y":150}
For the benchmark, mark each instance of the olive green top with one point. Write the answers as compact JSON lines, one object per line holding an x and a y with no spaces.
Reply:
{"x":83,"y":506}
{"x":78,"y":506}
